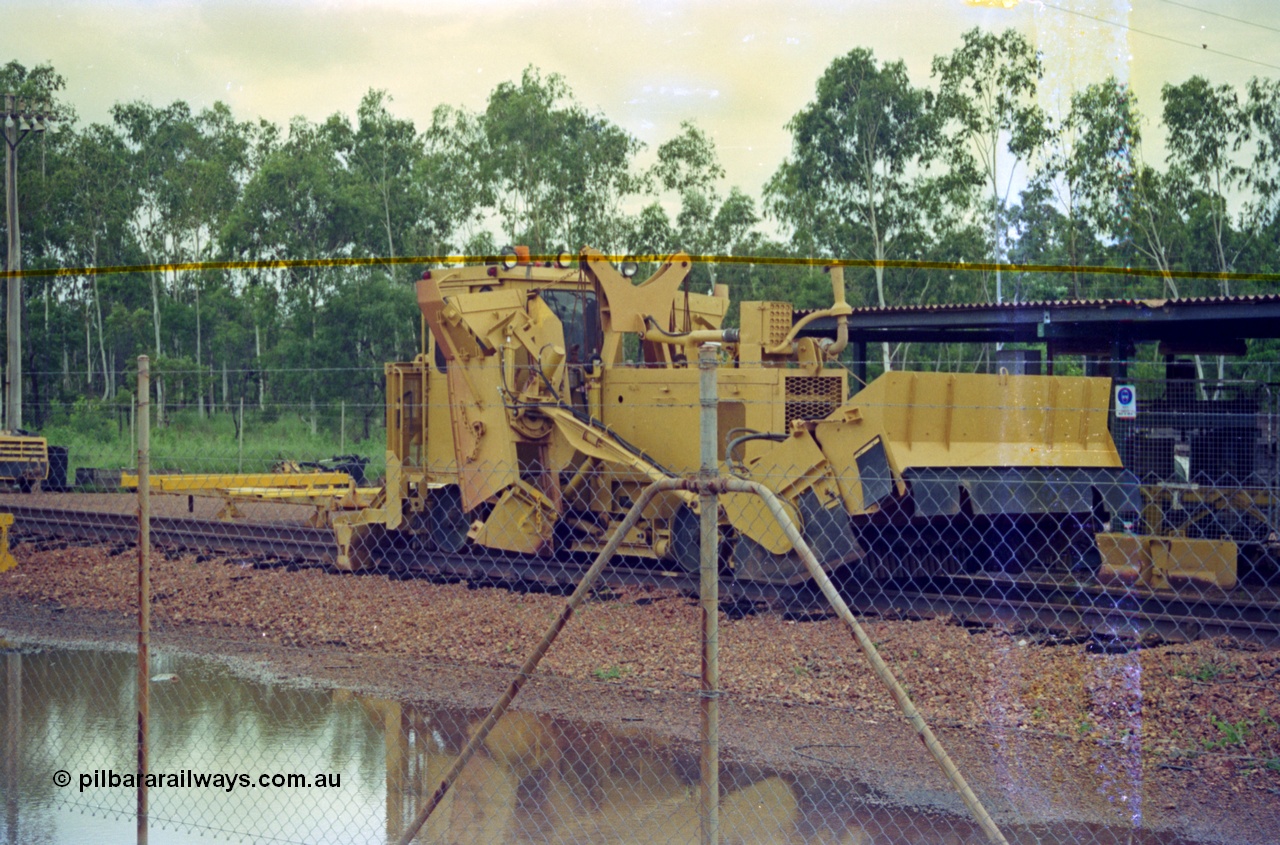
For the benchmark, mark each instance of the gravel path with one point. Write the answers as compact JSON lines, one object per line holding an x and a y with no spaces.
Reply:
{"x":1187,"y":732}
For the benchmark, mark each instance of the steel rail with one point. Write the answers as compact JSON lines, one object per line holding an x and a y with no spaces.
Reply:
{"x":1103,"y":614}
{"x":280,"y":539}
{"x":1122,"y":616}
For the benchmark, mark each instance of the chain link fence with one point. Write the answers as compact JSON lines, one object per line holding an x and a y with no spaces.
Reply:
{"x":1082,"y":607}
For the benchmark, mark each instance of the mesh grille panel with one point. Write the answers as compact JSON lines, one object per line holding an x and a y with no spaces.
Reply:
{"x":812,"y":397}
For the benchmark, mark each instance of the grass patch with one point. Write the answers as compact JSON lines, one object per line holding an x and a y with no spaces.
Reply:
{"x":1231,"y":734}
{"x":192,"y":444}
{"x":613,"y":673}
{"x":1206,"y":671}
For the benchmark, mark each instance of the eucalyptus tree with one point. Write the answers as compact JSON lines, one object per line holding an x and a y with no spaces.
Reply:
{"x":688,"y":162}
{"x":651,"y":232}
{"x":558,"y":171}
{"x":1089,"y":171}
{"x":596,"y":180}
{"x":987,"y":93}
{"x":452,"y":188}
{"x":188,"y":170}
{"x":1207,"y":127}
{"x":381,"y":152}
{"x":1262,"y":111}
{"x":1136,"y":210}
{"x":1159,"y":224}
{"x":707,"y":223}
{"x":859,"y":165}
{"x":39,"y":88}
{"x":207,"y":183}
{"x":299,"y":203}
{"x":98,"y":201}
{"x":520,"y":128}
{"x":1044,"y":232}
{"x":159,"y":140}
{"x":367,"y":320}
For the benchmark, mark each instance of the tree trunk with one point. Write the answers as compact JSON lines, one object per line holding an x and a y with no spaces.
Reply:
{"x":199,"y":392}
{"x":884,"y":347}
{"x":386,"y":216}
{"x":262,"y":380}
{"x":102,"y":342}
{"x":88,"y":351}
{"x":158,"y":381}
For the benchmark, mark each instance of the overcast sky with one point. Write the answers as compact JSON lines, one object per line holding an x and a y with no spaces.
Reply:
{"x":739,"y":69}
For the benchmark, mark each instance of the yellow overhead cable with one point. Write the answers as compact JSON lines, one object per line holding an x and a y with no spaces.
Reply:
{"x":906,"y":264}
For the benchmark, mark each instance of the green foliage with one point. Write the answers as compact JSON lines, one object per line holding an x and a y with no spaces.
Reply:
{"x":39,"y":86}
{"x":98,"y":434}
{"x":880,"y":168}
{"x":861,"y":152}
{"x":558,"y":170}
{"x":612,"y":673}
{"x":87,"y":419}
{"x":688,"y":162}
{"x":1231,"y":734}
{"x":989,"y":112}
{"x":1206,"y":671}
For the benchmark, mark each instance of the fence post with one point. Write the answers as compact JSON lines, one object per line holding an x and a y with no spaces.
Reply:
{"x":881,"y":669}
{"x":240,"y":458}
{"x":525,"y":672}
{"x":144,"y":587}
{"x":709,"y":599}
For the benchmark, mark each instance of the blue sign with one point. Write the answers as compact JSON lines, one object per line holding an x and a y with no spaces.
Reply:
{"x":1126,"y":402}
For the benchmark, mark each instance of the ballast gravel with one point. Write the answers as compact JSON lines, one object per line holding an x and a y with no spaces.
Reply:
{"x":1177,"y":739}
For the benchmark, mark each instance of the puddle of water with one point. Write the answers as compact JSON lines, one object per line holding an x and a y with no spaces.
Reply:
{"x":222,"y":743}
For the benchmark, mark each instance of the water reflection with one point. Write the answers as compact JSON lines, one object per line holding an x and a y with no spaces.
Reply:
{"x":537,"y":780}
{"x":75,"y":711}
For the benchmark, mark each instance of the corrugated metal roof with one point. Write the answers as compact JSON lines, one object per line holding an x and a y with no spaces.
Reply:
{"x":1041,"y":305}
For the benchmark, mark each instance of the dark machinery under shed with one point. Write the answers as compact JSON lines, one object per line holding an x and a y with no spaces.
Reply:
{"x":1203,"y":444}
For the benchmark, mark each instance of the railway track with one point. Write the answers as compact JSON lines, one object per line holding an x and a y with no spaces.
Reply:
{"x":280,"y":539}
{"x":1109,"y":619}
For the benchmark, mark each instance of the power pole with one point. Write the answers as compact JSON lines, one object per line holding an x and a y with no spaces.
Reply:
{"x":19,"y":122}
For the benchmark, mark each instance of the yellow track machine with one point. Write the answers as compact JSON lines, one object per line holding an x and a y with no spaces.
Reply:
{"x":24,"y":460}
{"x":524,"y":428}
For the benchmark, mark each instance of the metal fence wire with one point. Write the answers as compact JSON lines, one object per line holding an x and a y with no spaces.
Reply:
{"x":1078,"y":599}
